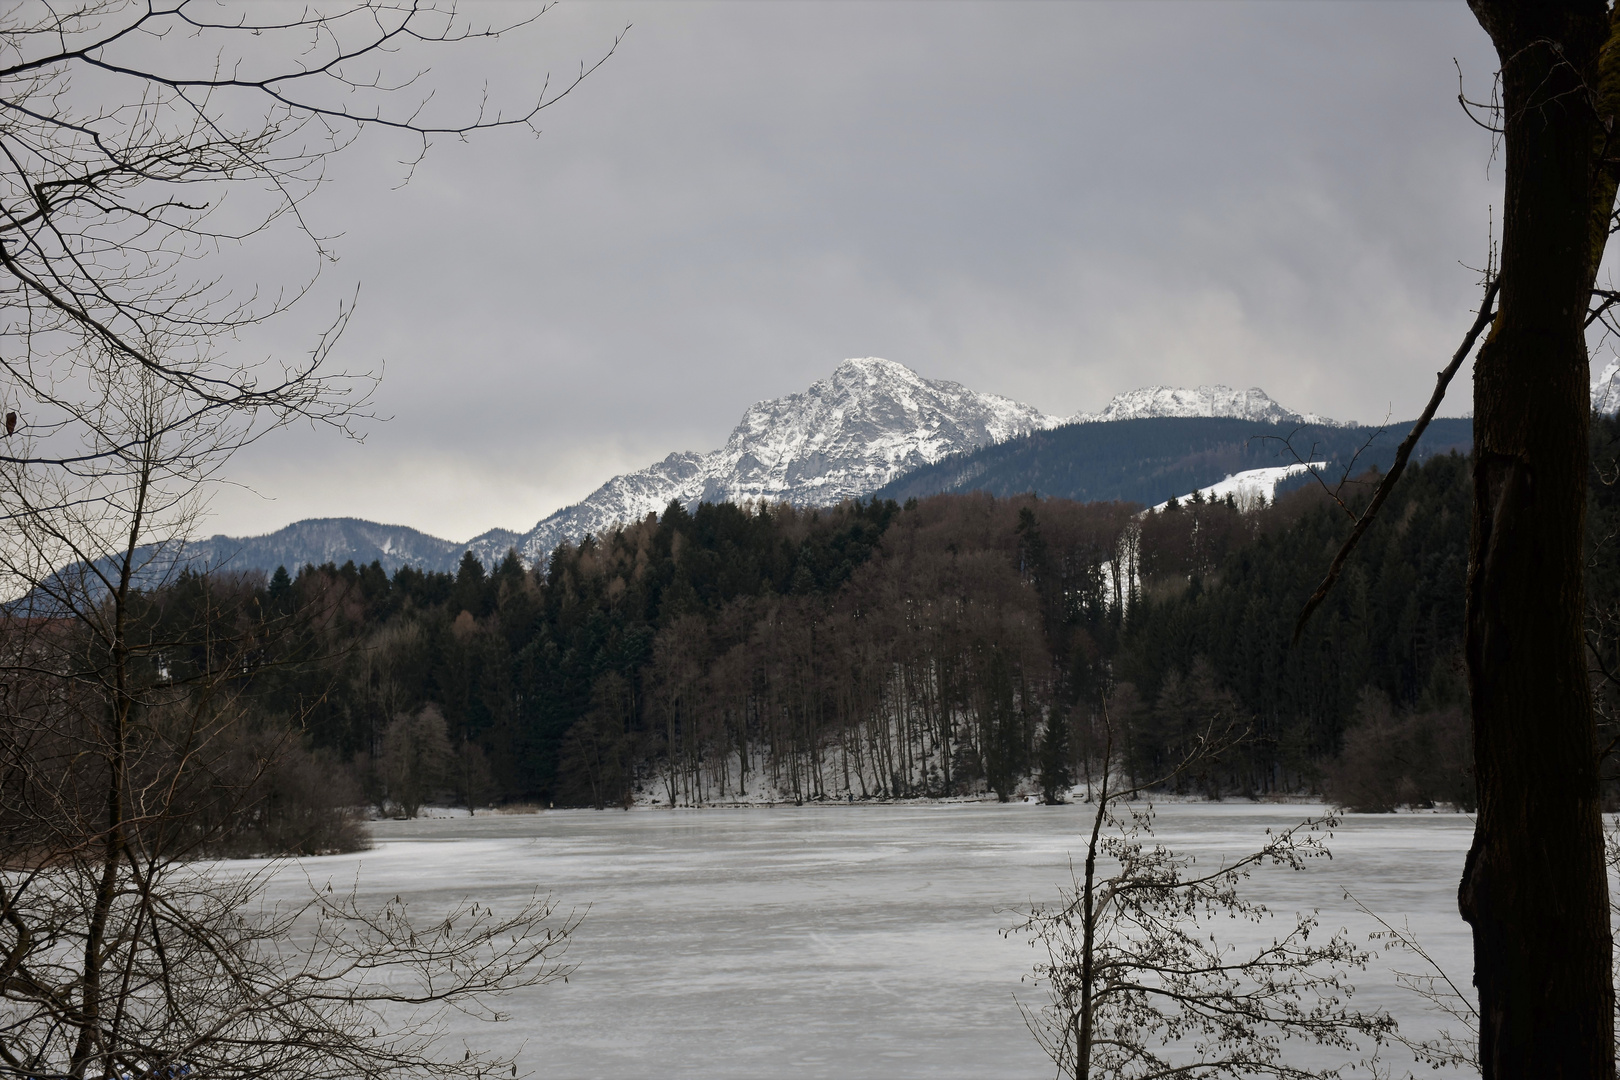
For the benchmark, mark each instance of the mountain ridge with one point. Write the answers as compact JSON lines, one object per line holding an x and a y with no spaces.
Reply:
{"x":845,"y":436}
{"x":857,"y":432}
{"x":321,"y":540}
{"x":1211,"y":400}
{"x":1151,"y":459}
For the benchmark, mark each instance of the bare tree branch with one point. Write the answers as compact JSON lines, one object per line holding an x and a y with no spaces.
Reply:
{"x":1442,"y":380}
{"x":129,"y":746}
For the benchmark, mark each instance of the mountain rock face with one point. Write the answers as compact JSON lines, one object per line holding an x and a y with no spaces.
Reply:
{"x":1215,"y":400}
{"x":844,"y":437}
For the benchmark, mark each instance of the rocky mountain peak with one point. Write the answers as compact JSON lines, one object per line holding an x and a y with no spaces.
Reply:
{"x":1208,"y":400}
{"x":843,"y":437}
{"x":869,"y":371}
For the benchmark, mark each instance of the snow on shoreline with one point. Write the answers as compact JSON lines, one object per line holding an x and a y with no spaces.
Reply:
{"x":1076,"y":796}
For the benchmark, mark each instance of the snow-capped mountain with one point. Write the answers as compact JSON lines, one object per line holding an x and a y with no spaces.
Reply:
{"x":844,"y":437}
{"x":1215,"y":400}
{"x":1606,"y":389}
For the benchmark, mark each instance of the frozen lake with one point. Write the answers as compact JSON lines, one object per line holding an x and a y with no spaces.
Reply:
{"x":853,"y":941}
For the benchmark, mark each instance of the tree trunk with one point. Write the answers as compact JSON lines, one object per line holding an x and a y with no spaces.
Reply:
{"x":1534,"y":888}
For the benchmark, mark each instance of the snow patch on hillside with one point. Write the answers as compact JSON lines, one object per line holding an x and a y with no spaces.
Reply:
{"x":1250,"y":487}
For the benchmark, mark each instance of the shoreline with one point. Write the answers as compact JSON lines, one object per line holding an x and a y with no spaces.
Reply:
{"x":1077,"y":799}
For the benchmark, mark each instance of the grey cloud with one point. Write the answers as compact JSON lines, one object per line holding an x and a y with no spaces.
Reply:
{"x":1053,"y":202}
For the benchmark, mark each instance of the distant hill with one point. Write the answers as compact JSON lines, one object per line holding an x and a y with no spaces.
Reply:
{"x":320,"y":540}
{"x":1148,"y":461}
{"x":313,"y":540}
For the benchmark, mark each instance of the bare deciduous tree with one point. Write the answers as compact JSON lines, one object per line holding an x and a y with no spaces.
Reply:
{"x":126,"y":748}
{"x":196,"y":978}
{"x":416,"y":758}
{"x":1534,"y":888}
{"x":1142,"y":979}
{"x":124,"y":124}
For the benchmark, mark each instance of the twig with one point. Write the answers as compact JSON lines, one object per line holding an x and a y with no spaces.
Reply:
{"x":1310,"y":467}
{"x":1469,"y":106}
{"x":1609,"y":298}
{"x":1442,"y":380}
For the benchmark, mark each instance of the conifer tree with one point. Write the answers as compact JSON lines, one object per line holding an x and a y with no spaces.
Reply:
{"x":1057,"y":770}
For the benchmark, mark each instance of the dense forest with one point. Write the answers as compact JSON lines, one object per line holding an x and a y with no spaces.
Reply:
{"x":952,"y":645}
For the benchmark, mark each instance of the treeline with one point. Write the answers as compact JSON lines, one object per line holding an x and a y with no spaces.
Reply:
{"x":174,"y":707}
{"x":505,"y":685}
{"x":1370,"y":704}
{"x":956,"y":644}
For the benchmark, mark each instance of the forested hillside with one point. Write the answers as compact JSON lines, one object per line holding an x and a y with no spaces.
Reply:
{"x":1146,"y":460}
{"x":955,"y":644}
{"x":1153,"y":459}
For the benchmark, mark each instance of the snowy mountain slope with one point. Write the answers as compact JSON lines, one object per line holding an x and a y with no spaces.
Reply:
{"x":313,"y":540}
{"x":1251,"y":485}
{"x":1606,"y":389}
{"x":490,"y":547}
{"x":622,"y":499}
{"x":844,"y":437}
{"x":1212,"y":400}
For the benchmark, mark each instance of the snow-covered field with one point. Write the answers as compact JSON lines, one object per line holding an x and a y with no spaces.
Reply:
{"x":844,"y":941}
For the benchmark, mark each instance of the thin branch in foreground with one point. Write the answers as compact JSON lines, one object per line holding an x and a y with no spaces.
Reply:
{"x":1310,"y":466}
{"x":1487,"y":312}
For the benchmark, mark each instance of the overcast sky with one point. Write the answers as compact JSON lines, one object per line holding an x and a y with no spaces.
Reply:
{"x":1055,"y":202}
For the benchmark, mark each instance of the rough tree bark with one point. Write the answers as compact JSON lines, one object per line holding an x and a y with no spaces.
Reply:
{"x":1534,"y":888}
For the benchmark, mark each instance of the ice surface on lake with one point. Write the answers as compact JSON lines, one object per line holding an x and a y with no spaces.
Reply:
{"x":854,"y":941}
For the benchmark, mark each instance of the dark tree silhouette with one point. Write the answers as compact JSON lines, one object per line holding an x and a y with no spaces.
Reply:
{"x":1534,"y":888}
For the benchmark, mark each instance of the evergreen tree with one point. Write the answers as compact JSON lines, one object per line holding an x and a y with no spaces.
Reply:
{"x":1002,"y":727}
{"x":1056,"y":771}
